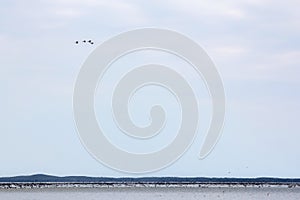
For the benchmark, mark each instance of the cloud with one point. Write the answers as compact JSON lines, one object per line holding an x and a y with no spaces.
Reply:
{"x":109,"y":11}
{"x":254,"y":43}
{"x":207,"y":8}
{"x":230,"y":51}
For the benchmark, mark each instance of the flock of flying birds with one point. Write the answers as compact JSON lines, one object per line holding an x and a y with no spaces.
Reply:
{"x":84,"y":41}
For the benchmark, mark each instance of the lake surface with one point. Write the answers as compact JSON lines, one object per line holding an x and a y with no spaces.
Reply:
{"x":174,"y":193}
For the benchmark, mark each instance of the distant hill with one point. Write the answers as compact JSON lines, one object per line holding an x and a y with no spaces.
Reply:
{"x":42,"y":178}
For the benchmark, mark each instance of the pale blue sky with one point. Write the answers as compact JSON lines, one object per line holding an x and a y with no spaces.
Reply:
{"x":254,"y":44}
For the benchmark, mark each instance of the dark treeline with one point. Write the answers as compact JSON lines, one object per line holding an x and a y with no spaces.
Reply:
{"x":83,"y":179}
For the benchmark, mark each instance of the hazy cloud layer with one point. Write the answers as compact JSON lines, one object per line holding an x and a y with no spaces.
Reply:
{"x":255,"y":45}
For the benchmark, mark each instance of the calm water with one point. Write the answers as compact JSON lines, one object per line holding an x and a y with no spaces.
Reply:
{"x":235,"y":193}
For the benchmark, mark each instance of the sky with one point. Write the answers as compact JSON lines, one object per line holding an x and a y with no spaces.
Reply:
{"x":254,"y":44}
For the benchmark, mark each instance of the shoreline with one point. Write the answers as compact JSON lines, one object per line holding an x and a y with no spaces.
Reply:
{"x":66,"y":191}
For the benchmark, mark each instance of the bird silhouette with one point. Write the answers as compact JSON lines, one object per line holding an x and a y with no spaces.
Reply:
{"x":84,"y":41}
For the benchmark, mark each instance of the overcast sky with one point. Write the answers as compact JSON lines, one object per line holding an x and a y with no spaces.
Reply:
{"x":255,"y":45}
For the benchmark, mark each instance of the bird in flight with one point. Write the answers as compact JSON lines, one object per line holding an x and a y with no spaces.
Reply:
{"x":85,"y":41}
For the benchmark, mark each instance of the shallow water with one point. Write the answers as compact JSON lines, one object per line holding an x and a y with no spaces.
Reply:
{"x":232,"y":193}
